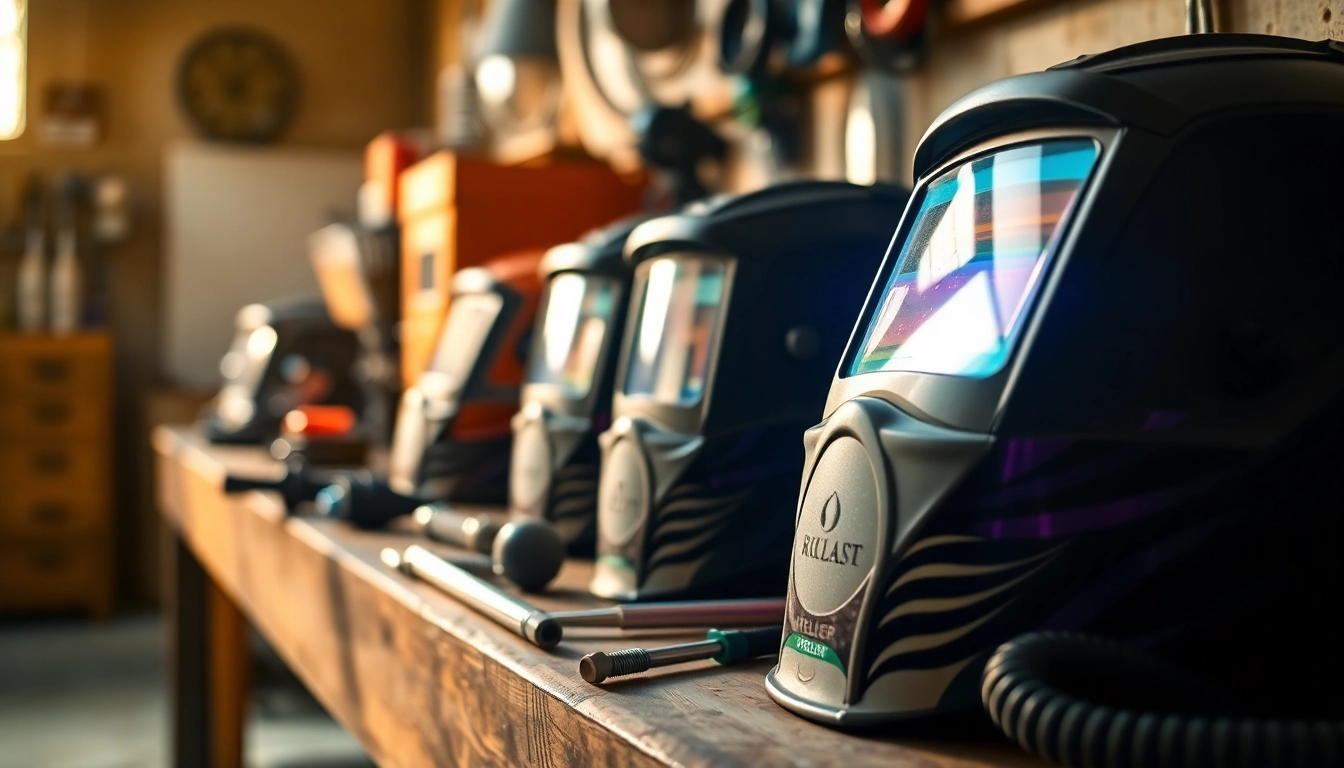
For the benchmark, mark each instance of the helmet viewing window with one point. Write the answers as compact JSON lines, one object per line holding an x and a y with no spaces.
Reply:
{"x":575,"y":319}
{"x":966,"y":271}
{"x":677,"y":322}
{"x":464,"y":335}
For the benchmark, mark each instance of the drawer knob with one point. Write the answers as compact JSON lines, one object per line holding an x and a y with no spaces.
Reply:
{"x":51,"y":462}
{"x":50,"y":560}
{"x":51,"y":514}
{"x":51,"y":413}
{"x":51,"y":369}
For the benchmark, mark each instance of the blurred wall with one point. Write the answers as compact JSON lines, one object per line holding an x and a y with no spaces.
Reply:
{"x":363,"y":66}
{"x":1061,"y":31}
{"x":1030,"y":35}
{"x":229,"y":215}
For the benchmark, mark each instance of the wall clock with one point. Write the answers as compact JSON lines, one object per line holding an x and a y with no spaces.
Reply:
{"x":237,"y":85}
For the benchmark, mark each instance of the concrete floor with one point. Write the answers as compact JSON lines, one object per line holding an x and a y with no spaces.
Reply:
{"x":81,"y":695}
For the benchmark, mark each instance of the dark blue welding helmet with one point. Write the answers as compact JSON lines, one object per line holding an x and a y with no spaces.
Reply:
{"x":740,"y":308}
{"x":567,"y":384}
{"x":1096,"y":388}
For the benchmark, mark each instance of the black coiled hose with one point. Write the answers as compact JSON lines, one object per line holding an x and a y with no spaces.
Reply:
{"x":1082,"y":701}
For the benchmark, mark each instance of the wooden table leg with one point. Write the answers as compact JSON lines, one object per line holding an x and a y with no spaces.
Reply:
{"x":230,"y":679}
{"x":209,"y":665}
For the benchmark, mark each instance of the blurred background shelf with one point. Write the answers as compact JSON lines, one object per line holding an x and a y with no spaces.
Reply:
{"x":56,"y":509}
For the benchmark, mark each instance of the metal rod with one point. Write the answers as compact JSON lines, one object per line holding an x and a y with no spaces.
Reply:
{"x":441,"y":523}
{"x":724,"y":647}
{"x":1198,"y":17}
{"x":690,"y":613}
{"x":479,"y":565}
{"x":510,"y":612}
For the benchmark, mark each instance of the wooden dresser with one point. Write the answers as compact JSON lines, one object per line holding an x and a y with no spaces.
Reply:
{"x":55,"y":473}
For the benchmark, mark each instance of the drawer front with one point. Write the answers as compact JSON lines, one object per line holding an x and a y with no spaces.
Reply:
{"x":57,"y":489}
{"x":56,"y":365}
{"x":53,"y":415}
{"x":45,"y":573}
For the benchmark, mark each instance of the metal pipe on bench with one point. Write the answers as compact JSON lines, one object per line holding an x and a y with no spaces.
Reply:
{"x":689,"y":613}
{"x":510,"y":612}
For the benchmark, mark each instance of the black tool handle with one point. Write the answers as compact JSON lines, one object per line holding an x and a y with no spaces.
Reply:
{"x":762,"y":641}
{"x":234,"y":484}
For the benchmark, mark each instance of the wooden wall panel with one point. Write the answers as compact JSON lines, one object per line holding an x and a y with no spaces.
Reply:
{"x":1036,"y":34}
{"x":363,"y":70}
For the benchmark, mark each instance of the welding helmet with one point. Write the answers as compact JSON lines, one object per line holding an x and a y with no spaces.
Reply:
{"x":358,"y":270}
{"x":285,"y":354}
{"x":738,"y":313}
{"x":452,"y":439}
{"x":567,"y":386}
{"x":1096,"y":387}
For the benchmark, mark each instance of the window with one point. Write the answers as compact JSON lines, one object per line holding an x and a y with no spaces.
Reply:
{"x":13,"y":67}
{"x":969,"y":262}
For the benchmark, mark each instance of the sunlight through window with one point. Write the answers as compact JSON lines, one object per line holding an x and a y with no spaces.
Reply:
{"x":13,"y":66}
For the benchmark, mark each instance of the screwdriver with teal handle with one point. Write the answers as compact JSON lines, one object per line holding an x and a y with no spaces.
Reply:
{"x":720,"y":645}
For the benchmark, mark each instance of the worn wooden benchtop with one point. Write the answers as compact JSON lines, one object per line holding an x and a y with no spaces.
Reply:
{"x":421,"y":680}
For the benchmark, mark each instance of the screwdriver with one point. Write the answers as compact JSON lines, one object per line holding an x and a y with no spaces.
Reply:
{"x":722,"y":646}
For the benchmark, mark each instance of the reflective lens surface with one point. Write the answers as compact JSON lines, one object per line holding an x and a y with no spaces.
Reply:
{"x":966,"y":271}
{"x":678,"y":317}
{"x":470,"y":318}
{"x":574,"y":325}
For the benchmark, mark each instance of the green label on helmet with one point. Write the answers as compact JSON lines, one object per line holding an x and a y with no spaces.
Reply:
{"x":814,"y":648}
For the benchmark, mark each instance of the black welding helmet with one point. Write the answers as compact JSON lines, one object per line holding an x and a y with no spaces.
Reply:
{"x":452,"y":439}
{"x":567,"y":384}
{"x":1096,"y":387}
{"x":285,"y":354}
{"x":739,"y":311}
{"x":358,"y":270}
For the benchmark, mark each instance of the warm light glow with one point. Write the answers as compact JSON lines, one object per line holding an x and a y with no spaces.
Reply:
{"x":495,"y":79}
{"x":334,"y":252}
{"x":861,"y":138}
{"x":11,"y":17}
{"x":296,"y":422}
{"x":235,"y":406}
{"x":13,"y":67}
{"x":662,"y":274}
{"x":562,"y":315}
{"x":261,"y":342}
{"x":232,"y":365}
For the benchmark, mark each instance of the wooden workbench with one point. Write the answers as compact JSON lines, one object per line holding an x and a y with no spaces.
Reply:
{"x":421,"y":680}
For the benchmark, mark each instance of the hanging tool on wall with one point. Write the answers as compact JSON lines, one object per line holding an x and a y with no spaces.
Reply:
{"x":891,"y":35}
{"x":31,"y":295}
{"x":110,"y":198}
{"x":757,"y":39}
{"x":67,"y":283}
{"x":675,"y":145}
{"x":1199,"y":17}
{"x":517,"y":78}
